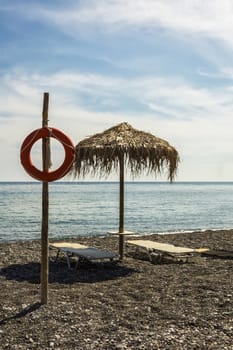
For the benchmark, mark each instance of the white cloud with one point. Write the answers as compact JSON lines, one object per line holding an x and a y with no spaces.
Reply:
{"x":210,"y":19}
{"x":198,"y":122}
{"x":193,"y":116}
{"x":171,"y":96}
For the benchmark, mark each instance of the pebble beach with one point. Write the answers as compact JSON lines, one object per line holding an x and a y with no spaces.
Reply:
{"x":132,"y":304}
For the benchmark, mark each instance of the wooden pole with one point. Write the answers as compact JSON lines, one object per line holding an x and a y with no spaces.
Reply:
{"x":45,"y":207}
{"x":121,"y":208}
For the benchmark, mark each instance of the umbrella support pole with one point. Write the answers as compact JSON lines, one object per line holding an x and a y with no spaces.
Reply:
{"x":121,"y":246}
{"x":121,"y":209}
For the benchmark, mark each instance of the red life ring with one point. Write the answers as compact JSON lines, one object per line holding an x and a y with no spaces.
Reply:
{"x":47,"y":175}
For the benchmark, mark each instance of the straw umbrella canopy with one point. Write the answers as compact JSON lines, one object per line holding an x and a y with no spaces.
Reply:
{"x":123,"y":146}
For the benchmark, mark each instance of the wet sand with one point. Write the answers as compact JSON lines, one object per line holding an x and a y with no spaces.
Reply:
{"x":133,"y":304}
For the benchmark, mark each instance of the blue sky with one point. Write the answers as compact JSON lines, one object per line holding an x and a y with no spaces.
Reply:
{"x":163,"y":66}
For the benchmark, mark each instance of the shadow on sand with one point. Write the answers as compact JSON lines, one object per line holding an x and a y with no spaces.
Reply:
{"x":59,"y":273}
{"x":27,"y":310}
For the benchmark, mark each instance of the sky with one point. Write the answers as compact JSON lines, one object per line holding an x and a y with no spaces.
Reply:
{"x":163,"y":66}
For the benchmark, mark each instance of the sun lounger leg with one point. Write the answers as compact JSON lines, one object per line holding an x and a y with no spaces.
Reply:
{"x":58,"y":252}
{"x":147,"y":251}
{"x":77,"y":262}
{"x":68,"y":260}
{"x":149,"y":254}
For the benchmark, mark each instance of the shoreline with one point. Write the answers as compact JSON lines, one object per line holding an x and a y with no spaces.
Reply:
{"x":135,"y":235}
{"x":133,"y":304}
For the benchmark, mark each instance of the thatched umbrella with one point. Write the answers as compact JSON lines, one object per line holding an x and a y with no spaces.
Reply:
{"x":120,"y":146}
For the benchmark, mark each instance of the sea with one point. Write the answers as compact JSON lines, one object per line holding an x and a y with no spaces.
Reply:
{"x":92,"y":208}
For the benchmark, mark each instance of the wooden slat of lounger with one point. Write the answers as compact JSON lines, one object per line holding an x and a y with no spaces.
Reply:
{"x":68,"y":245}
{"x":83,"y":251}
{"x":125,"y":233}
{"x":168,"y":248}
{"x":202,"y":250}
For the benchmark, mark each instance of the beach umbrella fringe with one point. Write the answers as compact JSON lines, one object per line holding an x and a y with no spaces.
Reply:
{"x":142,"y":153}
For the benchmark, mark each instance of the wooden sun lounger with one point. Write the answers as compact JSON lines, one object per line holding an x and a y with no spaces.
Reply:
{"x":81,"y":251}
{"x":164,"y":249}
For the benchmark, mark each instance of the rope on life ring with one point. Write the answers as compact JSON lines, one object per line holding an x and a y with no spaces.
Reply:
{"x":25,"y":156}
